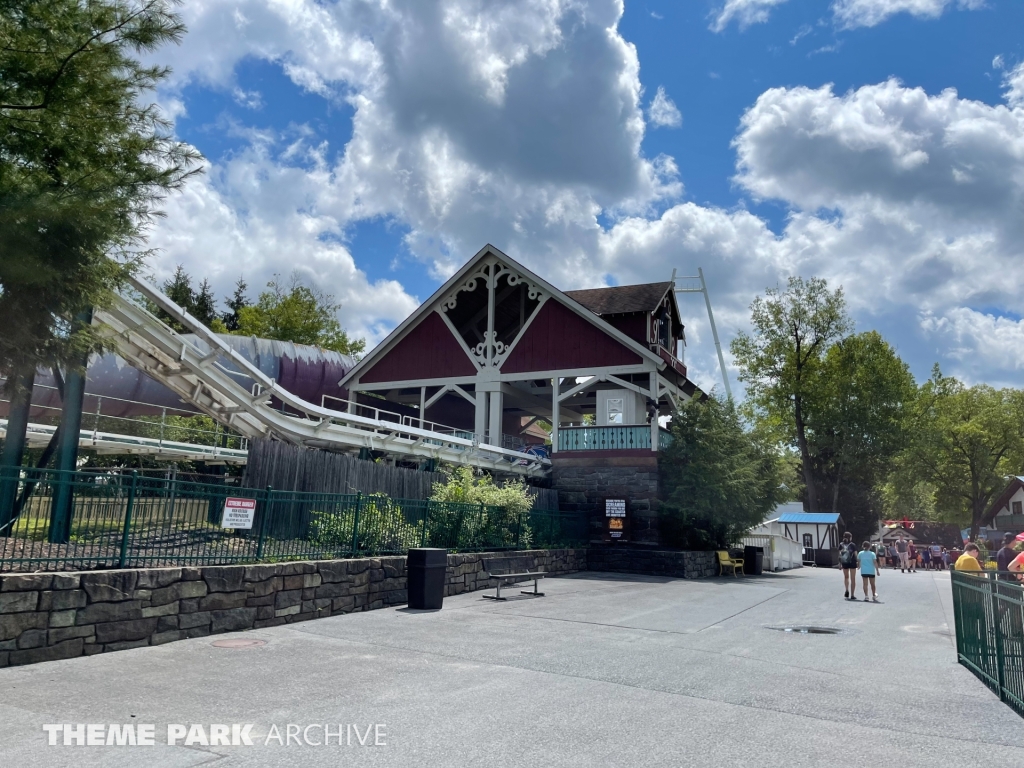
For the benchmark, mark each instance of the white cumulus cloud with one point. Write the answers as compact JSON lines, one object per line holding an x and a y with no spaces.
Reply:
{"x":743,"y":12}
{"x":663,"y":112}
{"x":869,"y":13}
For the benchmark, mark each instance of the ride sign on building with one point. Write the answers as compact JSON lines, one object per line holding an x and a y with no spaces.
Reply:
{"x":238,"y":513}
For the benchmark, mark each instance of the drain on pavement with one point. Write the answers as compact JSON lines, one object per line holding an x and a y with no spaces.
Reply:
{"x":237,"y":642}
{"x":809,"y":630}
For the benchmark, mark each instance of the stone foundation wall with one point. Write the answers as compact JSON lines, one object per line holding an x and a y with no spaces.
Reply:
{"x":653,"y":562}
{"x":583,"y":483}
{"x":47,"y":616}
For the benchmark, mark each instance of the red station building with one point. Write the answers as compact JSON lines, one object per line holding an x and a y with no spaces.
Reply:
{"x":497,"y":352}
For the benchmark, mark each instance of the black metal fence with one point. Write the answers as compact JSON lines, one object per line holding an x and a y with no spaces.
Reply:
{"x":988,"y":608}
{"x":116,"y":519}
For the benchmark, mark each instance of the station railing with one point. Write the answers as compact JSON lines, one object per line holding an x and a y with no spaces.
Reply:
{"x":53,"y":520}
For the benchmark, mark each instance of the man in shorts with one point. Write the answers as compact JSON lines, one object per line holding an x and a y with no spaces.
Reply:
{"x":848,"y":562}
{"x":901,"y":553}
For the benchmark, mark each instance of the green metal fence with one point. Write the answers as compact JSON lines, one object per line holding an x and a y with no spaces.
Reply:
{"x":82,"y":520}
{"x":989,"y":614}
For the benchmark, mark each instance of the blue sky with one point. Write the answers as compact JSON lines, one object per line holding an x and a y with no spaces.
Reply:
{"x":372,"y":151}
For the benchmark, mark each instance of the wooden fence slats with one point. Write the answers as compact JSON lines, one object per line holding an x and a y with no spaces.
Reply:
{"x":288,"y":467}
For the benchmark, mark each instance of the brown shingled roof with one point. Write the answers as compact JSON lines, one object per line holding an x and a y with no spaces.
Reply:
{"x":621,"y":298}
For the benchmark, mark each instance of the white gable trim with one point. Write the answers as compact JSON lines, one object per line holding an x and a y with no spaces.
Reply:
{"x":455,"y":280}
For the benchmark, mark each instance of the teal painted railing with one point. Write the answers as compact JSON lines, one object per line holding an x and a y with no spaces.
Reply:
{"x":124,"y":519}
{"x":625,"y":438}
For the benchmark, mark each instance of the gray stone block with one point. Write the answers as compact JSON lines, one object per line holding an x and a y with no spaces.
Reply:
{"x":261,"y":572}
{"x":288,"y":599}
{"x":55,"y":636}
{"x":18,"y":602}
{"x":25,"y":582}
{"x":159,"y":638}
{"x":126,"y":645}
{"x":233,"y":620}
{"x":118,"y":631}
{"x":62,"y":618}
{"x":105,"y":586}
{"x":178,"y":591}
{"x":224,"y":578}
{"x":13,"y":624}
{"x":66,"y":581}
{"x":191,"y":574}
{"x":166,"y":623}
{"x":62,"y":600}
{"x":65,"y":650}
{"x":190,"y":620}
{"x":168,"y":609}
{"x":262,"y":588}
{"x":253,"y":602}
{"x":32,"y":638}
{"x":333,"y":570}
{"x":155,"y":578}
{"x":222,"y":600}
{"x":289,"y":611}
{"x":105,"y":612}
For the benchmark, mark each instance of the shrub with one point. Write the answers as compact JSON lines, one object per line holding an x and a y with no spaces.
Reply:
{"x":506,"y":526}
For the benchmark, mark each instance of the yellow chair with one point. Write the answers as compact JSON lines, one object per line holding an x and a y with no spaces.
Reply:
{"x":728,"y":562}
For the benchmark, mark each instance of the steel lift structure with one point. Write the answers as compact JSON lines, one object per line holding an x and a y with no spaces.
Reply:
{"x":225,"y":386}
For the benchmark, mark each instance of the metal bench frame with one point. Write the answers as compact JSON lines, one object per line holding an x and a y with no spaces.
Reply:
{"x":514,"y":577}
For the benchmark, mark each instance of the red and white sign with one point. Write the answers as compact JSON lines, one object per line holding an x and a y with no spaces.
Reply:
{"x":238,"y":513}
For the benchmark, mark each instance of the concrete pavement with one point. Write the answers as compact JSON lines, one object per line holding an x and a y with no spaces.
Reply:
{"x":605,"y":670}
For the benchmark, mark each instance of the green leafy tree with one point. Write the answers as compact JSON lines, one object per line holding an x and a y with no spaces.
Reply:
{"x":84,"y":159}
{"x":781,"y":362}
{"x":965,"y":442}
{"x":718,"y":479}
{"x":858,"y":418}
{"x":299,"y":314}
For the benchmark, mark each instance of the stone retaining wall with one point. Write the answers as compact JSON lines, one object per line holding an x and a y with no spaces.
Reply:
{"x":47,"y":616}
{"x":653,"y":562}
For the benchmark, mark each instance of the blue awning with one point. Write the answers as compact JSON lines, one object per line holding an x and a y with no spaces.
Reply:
{"x":810,"y":518}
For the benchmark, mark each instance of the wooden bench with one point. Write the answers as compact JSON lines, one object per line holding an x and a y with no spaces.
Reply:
{"x":729,"y":562}
{"x":512,"y":569}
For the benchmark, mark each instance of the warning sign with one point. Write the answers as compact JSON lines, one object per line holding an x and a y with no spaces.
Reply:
{"x":615,"y":507}
{"x":238,"y":513}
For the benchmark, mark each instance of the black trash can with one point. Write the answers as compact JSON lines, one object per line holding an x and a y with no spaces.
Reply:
{"x":426,"y":568}
{"x":753,"y":561}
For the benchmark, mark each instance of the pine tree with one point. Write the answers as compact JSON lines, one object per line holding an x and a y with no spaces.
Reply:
{"x":235,"y":305}
{"x":204,"y":306}
{"x":84,"y":159}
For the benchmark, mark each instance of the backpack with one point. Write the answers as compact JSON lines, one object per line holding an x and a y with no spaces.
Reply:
{"x":848,"y":553}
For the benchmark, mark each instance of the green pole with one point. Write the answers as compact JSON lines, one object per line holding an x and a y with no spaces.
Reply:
{"x":265,"y":522}
{"x":355,"y":525}
{"x":519,"y":529}
{"x":67,"y":448}
{"x":426,"y":514}
{"x":14,"y":447}
{"x":127,"y":520}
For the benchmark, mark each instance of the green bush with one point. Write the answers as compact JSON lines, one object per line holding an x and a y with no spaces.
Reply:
{"x":502,"y":523}
{"x":382,"y":527}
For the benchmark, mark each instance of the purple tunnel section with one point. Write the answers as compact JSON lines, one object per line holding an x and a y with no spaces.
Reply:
{"x":307,"y":372}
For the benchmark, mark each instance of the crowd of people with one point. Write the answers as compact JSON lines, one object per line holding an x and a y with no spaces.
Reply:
{"x":908,"y":557}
